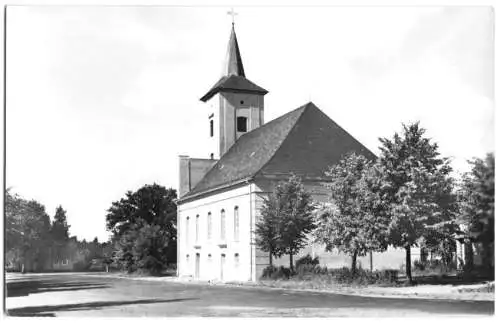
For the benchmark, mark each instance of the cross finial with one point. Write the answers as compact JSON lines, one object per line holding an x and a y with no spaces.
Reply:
{"x":232,"y":13}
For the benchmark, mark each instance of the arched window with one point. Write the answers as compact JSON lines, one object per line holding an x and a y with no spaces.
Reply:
{"x":211,"y":128}
{"x":209,"y":226}
{"x":197,"y":227}
{"x":187,"y":230}
{"x":241,"y":124}
{"x":236,"y":224}
{"x":222,"y":225}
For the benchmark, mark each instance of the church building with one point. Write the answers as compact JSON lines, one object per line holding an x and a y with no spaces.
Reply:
{"x":220,"y":195}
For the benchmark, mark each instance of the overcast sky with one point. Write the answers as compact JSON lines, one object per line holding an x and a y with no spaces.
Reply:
{"x":101,"y":100}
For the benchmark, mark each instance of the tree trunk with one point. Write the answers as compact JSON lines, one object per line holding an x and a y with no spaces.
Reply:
{"x":270,"y":259}
{"x":408,"y":264}
{"x":486,"y":259}
{"x":353,"y":265}
{"x":291,"y":261}
{"x":371,"y":261}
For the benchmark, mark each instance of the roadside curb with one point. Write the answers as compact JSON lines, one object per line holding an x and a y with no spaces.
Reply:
{"x":454,"y":296}
{"x":416,"y":295}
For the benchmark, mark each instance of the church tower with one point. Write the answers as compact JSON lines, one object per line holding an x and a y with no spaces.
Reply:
{"x":235,"y":104}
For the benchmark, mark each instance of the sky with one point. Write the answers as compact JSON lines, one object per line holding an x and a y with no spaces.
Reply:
{"x":102,"y":100}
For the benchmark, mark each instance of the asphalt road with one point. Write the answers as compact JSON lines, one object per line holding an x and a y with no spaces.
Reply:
{"x":84,"y":295}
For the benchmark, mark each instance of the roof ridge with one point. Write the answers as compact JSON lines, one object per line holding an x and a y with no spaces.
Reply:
{"x":268,"y":124}
{"x":305,"y":141}
{"x":304,"y":108}
{"x":246,"y":136}
{"x":275,"y":120}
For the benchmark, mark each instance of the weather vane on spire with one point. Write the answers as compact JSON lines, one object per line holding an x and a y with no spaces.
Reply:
{"x":232,"y":13}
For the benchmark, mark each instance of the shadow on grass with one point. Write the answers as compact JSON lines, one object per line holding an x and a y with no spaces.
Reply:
{"x":21,"y":288}
{"x":48,"y":310}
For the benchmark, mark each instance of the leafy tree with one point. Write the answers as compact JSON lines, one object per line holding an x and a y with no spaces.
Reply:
{"x":296,"y":220}
{"x":13,"y":210}
{"x":477,"y":204}
{"x":27,"y":231}
{"x":352,"y":223}
{"x":287,"y":219}
{"x":416,"y":187}
{"x":266,"y":228}
{"x":144,"y":228}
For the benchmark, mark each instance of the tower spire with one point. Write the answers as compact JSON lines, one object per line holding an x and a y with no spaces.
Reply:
{"x":233,"y":64}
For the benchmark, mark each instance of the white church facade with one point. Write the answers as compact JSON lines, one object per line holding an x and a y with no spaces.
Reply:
{"x":220,"y":196}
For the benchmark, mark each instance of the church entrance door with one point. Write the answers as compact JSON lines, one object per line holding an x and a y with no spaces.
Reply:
{"x":197,"y":266}
{"x":222,"y":264}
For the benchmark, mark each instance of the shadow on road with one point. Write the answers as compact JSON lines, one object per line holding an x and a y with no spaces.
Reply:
{"x":49,"y":309}
{"x":26,"y":287}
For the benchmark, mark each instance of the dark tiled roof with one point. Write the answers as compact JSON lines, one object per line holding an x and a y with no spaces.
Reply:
{"x":233,"y":83}
{"x":234,"y":79}
{"x":304,"y":141}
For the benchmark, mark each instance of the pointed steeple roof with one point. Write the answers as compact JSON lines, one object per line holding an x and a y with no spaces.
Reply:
{"x":233,"y":64}
{"x":233,"y":77}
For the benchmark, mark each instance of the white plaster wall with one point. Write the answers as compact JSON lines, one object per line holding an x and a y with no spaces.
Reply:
{"x":213,"y":142}
{"x":245,"y":105}
{"x":210,"y":266}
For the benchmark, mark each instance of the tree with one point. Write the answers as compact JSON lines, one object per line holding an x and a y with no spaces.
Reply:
{"x":60,"y":234}
{"x":477,"y":204}
{"x":296,"y":220}
{"x":144,"y":228}
{"x":27,"y":231}
{"x":416,"y":187}
{"x":13,"y":211}
{"x":60,"y":227}
{"x":353,"y":222}
{"x":266,"y":228}
{"x":287,"y":219}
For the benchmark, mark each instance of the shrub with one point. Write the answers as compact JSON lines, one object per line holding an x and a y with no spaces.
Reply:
{"x":81,"y":266}
{"x":344,"y":275}
{"x":433,"y":267}
{"x":419,"y":265}
{"x":304,"y":270}
{"x":325,"y":276}
{"x":307,"y":260}
{"x":272,"y":272}
{"x":341,"y":275}
{"x":321,"y":270}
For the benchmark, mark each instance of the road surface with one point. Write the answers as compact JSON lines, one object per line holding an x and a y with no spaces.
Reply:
{"x":95,"y":295}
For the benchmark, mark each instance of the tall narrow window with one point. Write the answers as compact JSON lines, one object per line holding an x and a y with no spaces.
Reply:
{"x":222,"y":225}
{"x":236,"y":224}
{"x":197,"y":227}
{"x":241,"y":124}
{"x":236,"y":260}
{"x":209,"y":224}
{"x":187,"y":230}
{"x":211,"y":128}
